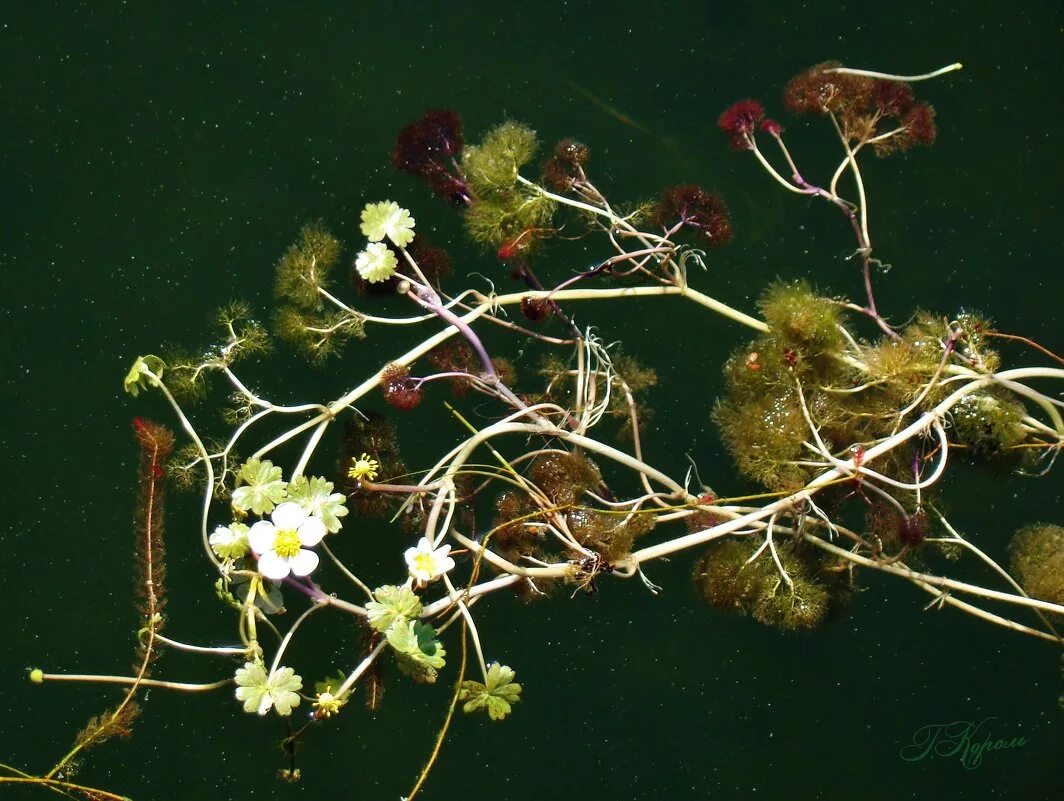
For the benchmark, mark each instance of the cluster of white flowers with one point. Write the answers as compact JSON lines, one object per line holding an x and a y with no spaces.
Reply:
{"x":301,"y":512}
{"x":380,"y":221}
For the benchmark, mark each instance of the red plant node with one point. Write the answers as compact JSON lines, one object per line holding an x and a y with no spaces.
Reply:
{"x":400,"y":390}
{"x":912,"y":529}
{"x":920,"y":124}
{"x":697,"y":209}
{"x":536,"y":309}
{"x":739,"y":121}
{"x":771,"y":127}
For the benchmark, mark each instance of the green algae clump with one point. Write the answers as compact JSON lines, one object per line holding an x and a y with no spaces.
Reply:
{"x":726,"y":580}
{"x":1037,"y":557}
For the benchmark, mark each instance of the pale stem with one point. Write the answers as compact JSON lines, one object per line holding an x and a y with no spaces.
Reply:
{"x":291,"y":633}
{"x":957,"y":538}
{"x":456,"y":598}
{"x":556,"y":571}
{"x":866,"y":243}
{"x":886,"y":76}
{"x":166,"y":685}
{"x":208,"y":494}
{"x":479,"y":589}
{"x":846,"y":468}
{"x":937,"y":581}
{"x":221,"y":650}
{"x":343,"y":569}
{"x":308,"y":451}
{"x":944,"y":597}
{"x":788,"y":185}
{"x":255,"y":399}
{"x":362,"y":667}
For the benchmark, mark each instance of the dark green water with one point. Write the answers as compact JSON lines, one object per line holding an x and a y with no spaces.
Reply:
{"x":157,"y":161}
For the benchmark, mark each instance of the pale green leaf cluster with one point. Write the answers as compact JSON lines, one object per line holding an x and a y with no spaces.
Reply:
{"x":140,"y":375}
{"x":496,"y":696}
{"x":317,"y":498}
{"x":420,"y":655}
{"x":262,"y":487}
{"x":392,"y":604}
{"x":387,"y":220}
{"x":260,"y":691}
{"x":221,"y":588}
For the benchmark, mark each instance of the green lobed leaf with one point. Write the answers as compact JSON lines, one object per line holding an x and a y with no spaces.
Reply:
{"x":496,"y":695}
{"x":392,"y":603}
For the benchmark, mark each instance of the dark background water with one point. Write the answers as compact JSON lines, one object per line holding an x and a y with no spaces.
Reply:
{"x":156,"y":162}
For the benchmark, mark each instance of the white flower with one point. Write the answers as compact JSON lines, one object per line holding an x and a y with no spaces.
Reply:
{"x":387,"y":219}
{"x":259,"y":692}
{"x":376,"y":263}
{"x":426,"y":564}
{"x":280,"y":544}
{"x":229,"y":542}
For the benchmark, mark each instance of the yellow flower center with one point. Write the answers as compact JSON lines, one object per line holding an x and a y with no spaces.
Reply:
{"x":286,"y":543}
{"x":327,"y":704}
{"x":424,"y":562}
{"x":364,"y":467}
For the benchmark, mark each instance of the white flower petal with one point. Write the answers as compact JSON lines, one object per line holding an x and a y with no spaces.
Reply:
{"x":273,"y":566}
{"x":444,"y":565}
{"x":265,"y":703}
{"x":304,"y":562}
{"x":261,"y":536}
{"x":312,"y":531}
{"x":221,"y":536}
{"x":288,"y":515}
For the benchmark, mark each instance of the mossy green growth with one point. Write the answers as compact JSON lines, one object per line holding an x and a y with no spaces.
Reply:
{"x":801,"y":319}
{"x":302,"y":317}
{"x":902,"y":367}
{"x":726,"y":580}
{"x":988,"y":423}
{"x":499,"y":218}
{"x":608,"y":534}
{"x":319,"y":334}
{"x":564,"y":477}
{"x":186,"y":375}
{"x":973,"y":342}
{"x":504,"y":209}
{"x":243,"y":334}
{"x":1037,"y":558}
{"x":492,"y":166}
{"x":305,"y":266}
{"x":764,"y":434}
{"x":510,"y":536}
